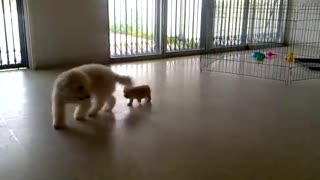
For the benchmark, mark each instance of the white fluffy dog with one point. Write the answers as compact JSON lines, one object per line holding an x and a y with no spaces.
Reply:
{"x":89,"y":86}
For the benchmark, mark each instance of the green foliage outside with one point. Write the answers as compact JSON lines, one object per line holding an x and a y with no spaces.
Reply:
{"x":132,"y":31}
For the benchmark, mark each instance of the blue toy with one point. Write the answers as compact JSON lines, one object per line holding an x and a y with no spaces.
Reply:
{"x":259,"y":56}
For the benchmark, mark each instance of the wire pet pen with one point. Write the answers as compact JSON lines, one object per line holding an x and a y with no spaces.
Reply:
{"x":271,"y":33}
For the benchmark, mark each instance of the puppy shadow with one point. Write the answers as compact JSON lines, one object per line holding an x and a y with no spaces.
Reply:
{"x":137,"y":115}
{"x":93,"y":132}
{"x":102,"y":122}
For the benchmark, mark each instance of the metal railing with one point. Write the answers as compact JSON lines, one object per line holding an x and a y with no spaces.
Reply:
{"x":157,"y":27}
{"x":266,"y":21}
{"x":11,"y":54}
{"x":184,"y":24}
{"x":134,"y":29}
{"x":228,"y":23}
{"x":272,"y":61}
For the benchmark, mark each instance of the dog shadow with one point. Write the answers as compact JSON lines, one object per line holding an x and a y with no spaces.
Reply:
{"x":93,"y":132}
{"x":98,"y":132}
{"x":137,"y":115}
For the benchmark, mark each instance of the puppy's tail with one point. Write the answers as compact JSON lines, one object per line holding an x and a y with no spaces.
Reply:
{"x":124,"y":80}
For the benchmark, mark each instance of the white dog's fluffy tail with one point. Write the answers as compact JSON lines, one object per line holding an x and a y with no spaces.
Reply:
{"x":124,"y":80}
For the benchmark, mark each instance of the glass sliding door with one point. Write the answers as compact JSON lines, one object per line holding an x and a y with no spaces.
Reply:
{"x":134,"y":27}
{"x":229,"y":23}
{"x":160,"y":27}
{"x":266,"y":21}
{"x":183,"y":25}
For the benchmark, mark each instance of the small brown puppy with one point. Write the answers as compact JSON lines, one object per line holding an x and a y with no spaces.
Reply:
{"x":137,"y":92}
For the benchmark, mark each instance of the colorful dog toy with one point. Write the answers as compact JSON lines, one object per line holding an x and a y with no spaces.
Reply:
{"x":272,"y":55}
{"x":290,"y":57}
{"x":259,"y":56}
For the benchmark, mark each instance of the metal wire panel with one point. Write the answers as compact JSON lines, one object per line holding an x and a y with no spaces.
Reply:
{"x":10,"y":50}
{"x":302,"y":38}
{"x":247,"y":22}
{"x":266,"y":21}
{"x":306,"y":35}
{"x":242,"y":63}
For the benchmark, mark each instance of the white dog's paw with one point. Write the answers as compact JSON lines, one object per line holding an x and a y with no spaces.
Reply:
{"x":59,"y":126}
{"x":92,"y":114}
{"x":107,"y":109}
{"x":78,"y":117}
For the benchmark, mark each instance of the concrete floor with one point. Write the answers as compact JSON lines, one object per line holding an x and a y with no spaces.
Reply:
{"x":200,"y":126}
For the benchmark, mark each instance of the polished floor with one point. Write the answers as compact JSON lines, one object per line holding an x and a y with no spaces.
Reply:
{"x":200,"y":125}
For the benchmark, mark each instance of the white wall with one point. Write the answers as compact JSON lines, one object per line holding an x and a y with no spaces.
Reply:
{"x":66,"y":32}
